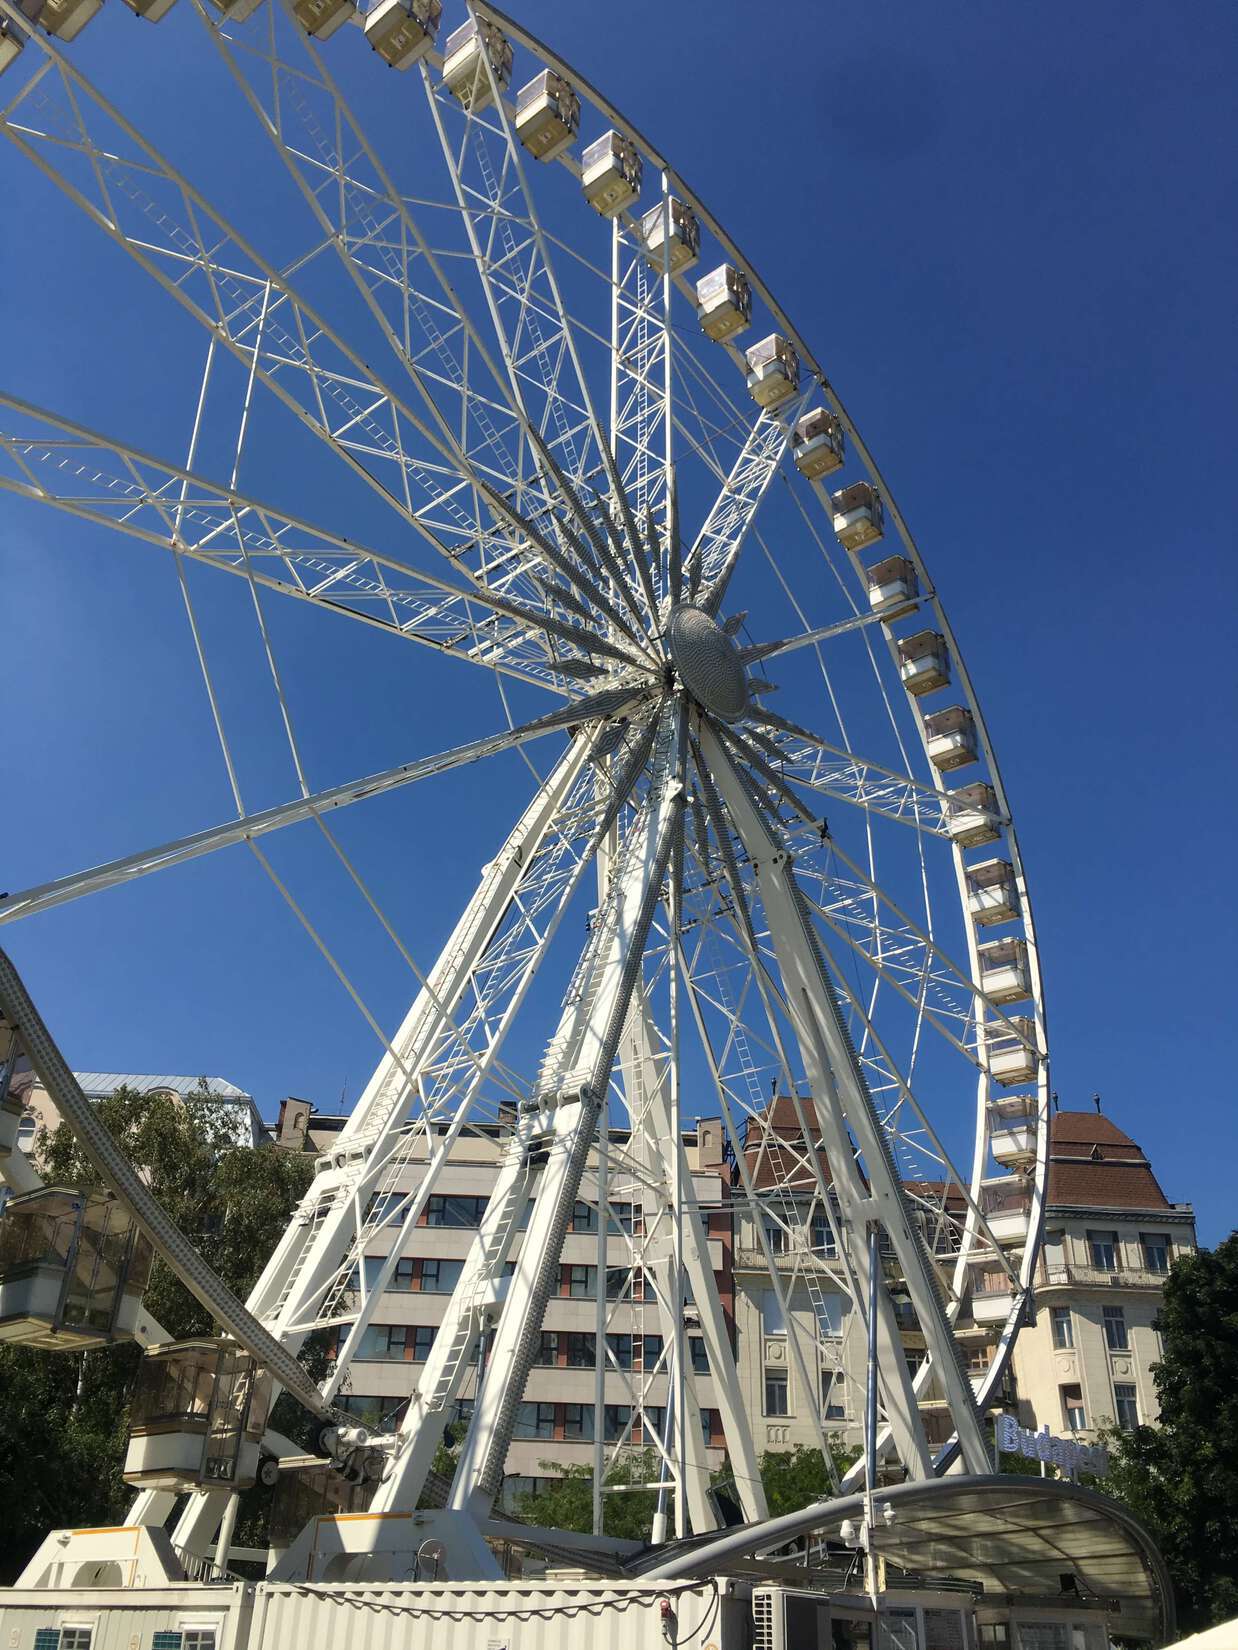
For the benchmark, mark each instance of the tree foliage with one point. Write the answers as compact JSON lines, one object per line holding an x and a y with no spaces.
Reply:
{"x":791,"y":1478}
{"x":1180,"y":1478}
{"x":64,"y":1416}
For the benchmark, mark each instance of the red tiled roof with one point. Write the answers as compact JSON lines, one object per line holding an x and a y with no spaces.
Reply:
{"x":1092,"y":1163}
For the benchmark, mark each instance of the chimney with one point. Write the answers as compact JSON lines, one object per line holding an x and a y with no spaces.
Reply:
{"x":293,"y":1125}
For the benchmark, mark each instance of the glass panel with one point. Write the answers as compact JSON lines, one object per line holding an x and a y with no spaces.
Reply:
{"x":1155,"y":1250}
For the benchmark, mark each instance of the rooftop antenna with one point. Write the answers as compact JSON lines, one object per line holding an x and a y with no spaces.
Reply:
{"x":343,"y":1095}
{"x":1057,"y":1104}
{"x":1096,"y":1103}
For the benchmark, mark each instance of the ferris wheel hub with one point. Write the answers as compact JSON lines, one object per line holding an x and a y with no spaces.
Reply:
{"x":708,"y":661}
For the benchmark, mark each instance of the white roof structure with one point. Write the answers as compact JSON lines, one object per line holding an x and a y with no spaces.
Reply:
{"x":97,"y":1084}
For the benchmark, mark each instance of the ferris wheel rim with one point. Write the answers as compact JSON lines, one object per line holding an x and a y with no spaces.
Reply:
{"x":1032,"y":1243}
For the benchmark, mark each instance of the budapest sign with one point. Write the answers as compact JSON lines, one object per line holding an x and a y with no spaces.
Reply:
{"x":1012,"y":1439}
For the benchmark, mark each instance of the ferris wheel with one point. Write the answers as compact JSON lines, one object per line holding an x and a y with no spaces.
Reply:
{"x":565,"y":438}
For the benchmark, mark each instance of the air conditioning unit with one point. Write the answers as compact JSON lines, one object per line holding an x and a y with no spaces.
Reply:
{"x":784,"y":1619}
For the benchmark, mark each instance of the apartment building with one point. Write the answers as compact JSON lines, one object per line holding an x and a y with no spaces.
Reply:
{"x":557,"y":1419}
{"x":39,"y":1109}
{"x":1111,"y":1236}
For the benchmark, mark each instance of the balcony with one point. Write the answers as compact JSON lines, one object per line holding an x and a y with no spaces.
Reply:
{"x":1063,"y":1276}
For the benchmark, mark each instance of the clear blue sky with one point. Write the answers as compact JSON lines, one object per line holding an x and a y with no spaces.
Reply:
{"x":1011,"y":235}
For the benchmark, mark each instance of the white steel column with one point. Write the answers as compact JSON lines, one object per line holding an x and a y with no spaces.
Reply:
{"x":809,"y":1005}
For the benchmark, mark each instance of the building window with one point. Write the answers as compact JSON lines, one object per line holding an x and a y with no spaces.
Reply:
{"x":548,"y":1349}
{"x":440,"y":1277}
{"x":1072,"y":1408}
{"x":700,"y":1358}
{"x":772,"y":1320}
{"x":399,"y":1342}
{"x":653,"y":1423}
{"x":651,"y":1352}
{"x":381,"y":1207}
{"x":581,"y":1349}
{"x":833,"y":1395}
{"x":775,"y":1236}
{"x":1063,"y":1327}
{"x":458,"y":1212}
{"x":1115,"y":1329}
{"x":620,"y":1349}
{"x":615,"y":1420}
{"x":584,"y":1217}
{"x":578,"y":1421}
{"x":535,"y":1421}
{"x":625,"y":1218}
{"x":829,"y":1315}
{"x":26,"y":1131}
{"x":579,"y":1281}
{"x":776,"y":1395}
{"x":1126,"y":1405}
{"x":1103,"y":1247}
{"x":402,"y":1277}
{"x":1155,"y":1250}
{"x":711,"y":1426}
{"x":823,"y":1243}
{"x":622,"y":1284}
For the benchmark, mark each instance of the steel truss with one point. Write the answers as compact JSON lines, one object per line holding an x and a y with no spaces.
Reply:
{"x":541,"y":408}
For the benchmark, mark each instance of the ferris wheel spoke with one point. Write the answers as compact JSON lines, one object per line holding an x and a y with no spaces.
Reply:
{"x":399,"y":274}
{"x":250,"y":827}
{"x":845,"y":774}
{"x":513,"y":261}
{"x":61,"y":463}
{"x":940,"y":1155}
{"x":714,"y":555}
{"x":561,"y":1122}
{"x":840,"y":1092}
{"x":209,"y":266}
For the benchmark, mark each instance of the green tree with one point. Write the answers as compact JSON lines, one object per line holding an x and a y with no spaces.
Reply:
{"x":797,"y":1477}
{"x":566,"y":1501}
{"x":1180,"y":1478}
{"x":792,"y":1479}
{"x":64,"y":1416}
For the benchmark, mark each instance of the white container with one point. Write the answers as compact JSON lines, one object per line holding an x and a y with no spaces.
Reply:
{"x":993,"y":1306}
{"x":950,"y":738}
{"x":773,"y":370}
{"x":991,"y":893}
{"x":402,"y":32}
{"x":123,"y":1615}
{"x":321,"y":18}
{"x":1011,"y":1059}
{"x":923,"y":662}
{"x":610,"y":174}
{"x":1004,"y":973}
{"x":858,"y":515}
{"x":819,"y":443}
{"x":539,"y":1615}
{"x":723,"y":302}
{"x":152,"y":10}
{"x":547,"y":115}
{"x":971,"y":816}
{"x":685,"y":236}
{"x":1007,"y":1210}
{"x":893,"y":588}
{"x":10,"y":43}
{"x":464,"y":65}
{"x":65,"y":19}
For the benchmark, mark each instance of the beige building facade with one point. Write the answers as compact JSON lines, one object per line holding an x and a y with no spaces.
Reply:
{"x":557,"y":1420}
{"x":1111,"y":1236}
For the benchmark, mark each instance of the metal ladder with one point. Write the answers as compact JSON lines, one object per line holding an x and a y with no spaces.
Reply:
{"x":481,"y":1287}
